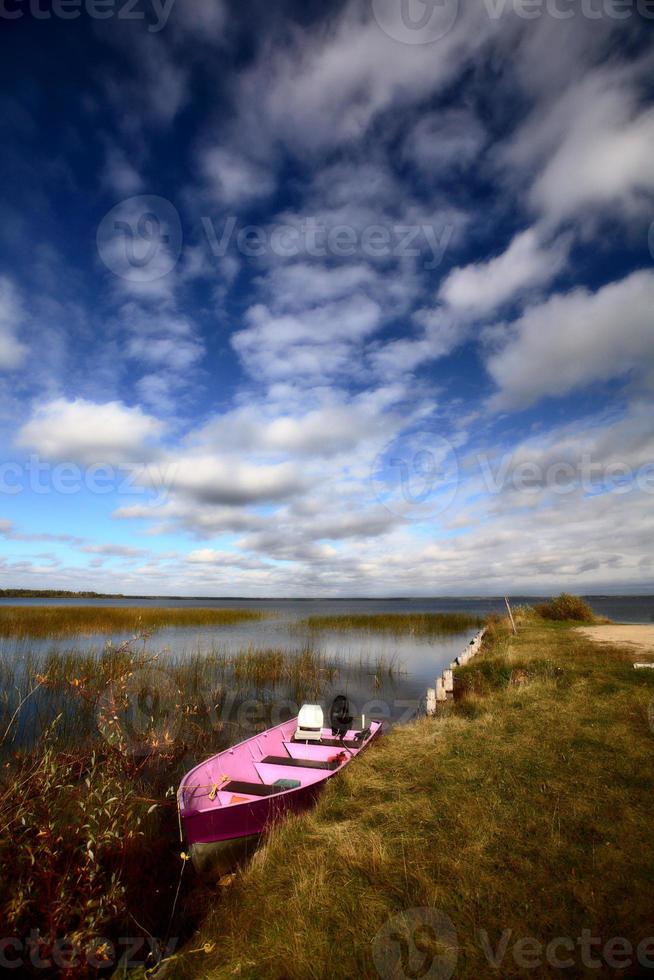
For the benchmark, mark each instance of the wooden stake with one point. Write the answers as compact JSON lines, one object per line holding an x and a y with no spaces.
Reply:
{"x":508,"y":606}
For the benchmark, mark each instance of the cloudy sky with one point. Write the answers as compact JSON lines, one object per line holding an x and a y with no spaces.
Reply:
{"x":301,"y":298}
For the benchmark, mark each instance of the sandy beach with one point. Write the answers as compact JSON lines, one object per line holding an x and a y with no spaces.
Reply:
{"x":641,"y":637}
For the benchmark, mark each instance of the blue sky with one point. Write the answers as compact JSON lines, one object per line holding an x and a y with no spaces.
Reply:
{"x":308,"y":299}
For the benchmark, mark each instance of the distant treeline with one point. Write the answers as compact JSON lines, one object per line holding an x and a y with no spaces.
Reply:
{"x":55,"y":594}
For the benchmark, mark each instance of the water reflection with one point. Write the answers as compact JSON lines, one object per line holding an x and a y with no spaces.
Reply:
{"x":218,"y":681}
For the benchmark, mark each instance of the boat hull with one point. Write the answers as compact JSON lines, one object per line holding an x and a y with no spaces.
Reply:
{"x":217,"y":858}
{"x":249,"y":819}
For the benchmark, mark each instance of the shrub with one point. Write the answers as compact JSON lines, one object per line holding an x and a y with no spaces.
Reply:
{"x":566,"y":607}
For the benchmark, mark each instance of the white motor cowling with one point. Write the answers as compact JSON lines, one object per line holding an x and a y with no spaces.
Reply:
{"x":309,"y":723}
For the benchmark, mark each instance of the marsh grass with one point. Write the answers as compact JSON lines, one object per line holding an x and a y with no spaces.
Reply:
{"x":524,"y":809}
{"x":413,"y":624}
{"x":92,"y":749}
{"x":193,"y":693}
{"x":51,"y":622}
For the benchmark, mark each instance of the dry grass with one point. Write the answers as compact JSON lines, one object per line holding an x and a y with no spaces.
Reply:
{"x":526,"y":806}
{"x":59,"y":621}
{"x":415,"y":624}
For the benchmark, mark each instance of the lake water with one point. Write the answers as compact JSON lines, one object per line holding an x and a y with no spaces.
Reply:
{"x":397,"y":695}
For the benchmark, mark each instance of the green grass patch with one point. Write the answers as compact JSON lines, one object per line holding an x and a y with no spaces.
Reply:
{"x":61,"y":621}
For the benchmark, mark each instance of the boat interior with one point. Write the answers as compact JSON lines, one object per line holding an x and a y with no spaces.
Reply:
{"x":270,"y":763}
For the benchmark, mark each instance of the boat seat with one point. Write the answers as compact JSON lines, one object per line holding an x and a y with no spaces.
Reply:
{"x":282,"y":760}
{"x":253,"y":789}
{"x":336,"y":743}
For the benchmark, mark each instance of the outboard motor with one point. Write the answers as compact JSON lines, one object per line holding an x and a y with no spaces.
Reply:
{"x":339,"y":716}
{"x":309,"y":723}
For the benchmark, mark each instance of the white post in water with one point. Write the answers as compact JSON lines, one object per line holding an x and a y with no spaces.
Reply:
{"x":431,"y":701}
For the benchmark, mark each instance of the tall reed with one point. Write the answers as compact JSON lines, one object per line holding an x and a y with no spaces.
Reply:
{"x":61,"y":621}
{"x":414,"y":624}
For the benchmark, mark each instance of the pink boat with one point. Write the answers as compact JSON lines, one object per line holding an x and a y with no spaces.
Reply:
{"x":227,"y":802}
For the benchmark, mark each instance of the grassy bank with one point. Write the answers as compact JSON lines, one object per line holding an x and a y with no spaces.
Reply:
{"x":60,"y":621}
{"x":414,"y":624}
{"x":524,"y":810}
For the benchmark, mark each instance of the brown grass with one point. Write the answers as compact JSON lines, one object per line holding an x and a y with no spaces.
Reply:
{"x":524,"y":810}
{"x":60,"y":621}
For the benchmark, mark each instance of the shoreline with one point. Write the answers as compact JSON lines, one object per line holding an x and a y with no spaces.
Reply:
{"x":488,"y":817}
{"x":638,"y":635}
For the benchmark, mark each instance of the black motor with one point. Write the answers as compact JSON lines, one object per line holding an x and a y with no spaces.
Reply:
{"x":339,"y":715}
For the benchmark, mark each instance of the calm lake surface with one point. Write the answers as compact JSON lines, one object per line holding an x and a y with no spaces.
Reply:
{"x":417,"y":661}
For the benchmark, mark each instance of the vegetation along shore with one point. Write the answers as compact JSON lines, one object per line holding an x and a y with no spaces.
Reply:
{"x":58,"y":621}
{"x":518,"y":818}
{"x":92,"y":748}
{"x":416,"y":624}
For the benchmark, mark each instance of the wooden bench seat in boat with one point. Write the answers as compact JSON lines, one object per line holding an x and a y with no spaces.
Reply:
{"x":253,"y":789}
{"x":281,"y":760}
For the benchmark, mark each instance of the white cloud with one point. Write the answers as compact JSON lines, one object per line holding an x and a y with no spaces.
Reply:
{"x":171,"y":352}
{"x":440,"y":143}
{"x":318,"y":427}
{"x":233,"y":179}
{"x":480,"y":288}
{"x":157,"y":87}
{"x":592,"y":147}
{"x":595,"y":454}
{"x":442,"y":332}
{"x":314,"y":90}
{"x":159,"y":392}
{"x":12,"y":351}
{"x":314,"y":345}
{"x":574,"y":339}
{"x":120,"y":175}
{"x":206,"y":556}
{"x":89,"y":433}
{"x":170,"y":348}
{"x":188,"y":515}
{"x":203,"y":20}
{"x":114,"y":550}
{"x":224,"y":560}
{"x":223,"y":480}
{"x":302,"y":284}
